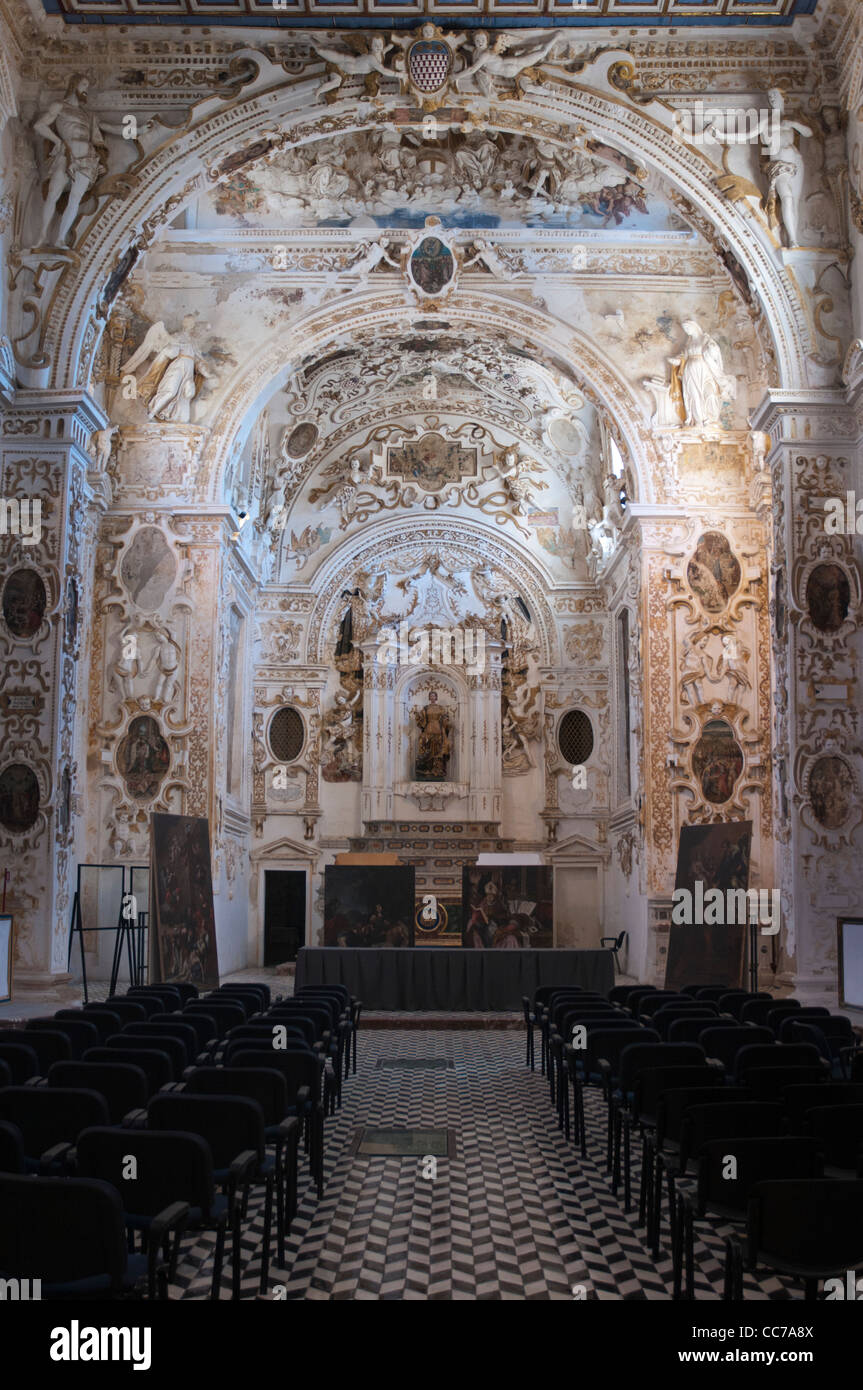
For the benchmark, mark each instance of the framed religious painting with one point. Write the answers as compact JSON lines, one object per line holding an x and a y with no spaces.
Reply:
{"x":507,"y":907}
{"x":183,"y":925}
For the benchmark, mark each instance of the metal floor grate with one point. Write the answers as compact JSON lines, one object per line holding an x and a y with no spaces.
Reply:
{"x":369,"y":1142}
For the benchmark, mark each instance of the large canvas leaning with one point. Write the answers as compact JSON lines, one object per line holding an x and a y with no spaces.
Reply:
{"x":183,"y":921}
{"x":507,"y":908}
{"x":369,"y":905}
{"x":717,"y":856}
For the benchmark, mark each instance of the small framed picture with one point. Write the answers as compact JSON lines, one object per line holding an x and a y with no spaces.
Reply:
{"x":5,"y":958}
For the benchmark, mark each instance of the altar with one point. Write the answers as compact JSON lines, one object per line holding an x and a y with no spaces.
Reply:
{"x":437,"y":978}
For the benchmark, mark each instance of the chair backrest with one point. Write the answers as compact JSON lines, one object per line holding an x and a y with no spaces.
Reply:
{"x":263,"y":1033}
{"x":227,"y":1013}
{"x":299,"y":1068}
{"x":261,"y":989}
{"x":776,"y":1017}
{"x":293,"y":1021}
{"x":660,"y":1000}
{"x":146,"y":1001}
{"x":5,"y":1074}
{"x":97,"y":1015}
{"x":663,"y":1018}
{"x":772,"y":1055}
{"x":110,"y":1019}
{"x":330,"y":1002}
{"x":608,"y":1043}
{"x":338,"y":990}
{"x":570,"y":1011}
{"x":769,"y":1083}
{"x":202,"y":1025}
{"x":726,"y":1043}
{"x":182,"y":1033}
{"x":172,"y":1166}
{"x":123,"y":1087}
{"x":741,"y":1117}
{"x":11,"y":1148}
{"x":757,"y":1010}
{"x":839,"y":1128}
{"x":266,"y":1085}
{"x":732,"y":1002}
{"x":50,"y":1044}
{"x":651,"y":1083}
{"x":126,"y":1010}
{"x":756,"y":1158}
{"x":637,"y":993}
{"x":592,"y":1022}
{"x":638,"y":1056}
{"x":249,"y":1002}
{"x":22,"y":1061}
{"x":63,"y":1231}
{"x":169,"y":996}
{"x":81,"y":1033}
{"x":814,"y":1223}
{"x":319,"y":1016}
{"x":673,"y":1106}
{"x":797,"y":1100}
{"x":690,"y":1027}
{"x":717,"y":993}
{"x":230,"y":1124}
{"x":49,"y":1115}
{"x":620,"y":993}
{"x":156,"y":1067}
{"x":838,"y":1030}
{"x":170,"y":1048}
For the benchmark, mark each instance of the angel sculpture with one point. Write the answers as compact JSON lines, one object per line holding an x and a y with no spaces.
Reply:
{"x":516,"y":473}
{"x":354,"y":60}
{"x":489,"y":64}
{"x":731,"y":663}
{"x":369,"y":257}
{"x":702,"y":377}
{"x":492,"y":260}
{"x":176,"y":374}
{"x":99,"y":446}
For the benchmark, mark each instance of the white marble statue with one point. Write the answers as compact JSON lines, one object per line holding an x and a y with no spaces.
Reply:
{"x":177,"y":372}
{"x":703,"y":379}
{"x":165,"y":656}
{"x":731,"y":663}
{"x":692,"y":672}
{"x":76,"y":162}
{"x":488,"y":63}
{"x":515,"y":473}
{"x":785,"y":167}
{"x":348,"y":61}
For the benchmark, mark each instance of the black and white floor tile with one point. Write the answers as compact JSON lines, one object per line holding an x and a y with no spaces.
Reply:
{"x":517,"y":1214}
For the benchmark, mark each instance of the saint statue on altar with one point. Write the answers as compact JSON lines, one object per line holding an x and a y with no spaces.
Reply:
{"x":434,"y":745}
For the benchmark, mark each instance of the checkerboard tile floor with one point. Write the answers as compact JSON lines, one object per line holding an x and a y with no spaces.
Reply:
{"x":517,"y":1214}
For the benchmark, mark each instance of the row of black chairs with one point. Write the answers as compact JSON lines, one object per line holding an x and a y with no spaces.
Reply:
{"x":155,"y":1114}
{"x":747,"y":1096}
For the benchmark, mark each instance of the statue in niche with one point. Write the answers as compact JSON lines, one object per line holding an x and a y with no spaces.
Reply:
{"x":703,"y":379}
{"x":434,"y":746}
{"x":176,"y":374}
{"x":76,"y":162}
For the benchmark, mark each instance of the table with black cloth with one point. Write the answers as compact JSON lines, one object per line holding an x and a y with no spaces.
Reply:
{"x":403,"y":978}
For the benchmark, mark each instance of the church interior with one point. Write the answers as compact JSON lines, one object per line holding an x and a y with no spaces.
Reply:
{"x":431,"y":778}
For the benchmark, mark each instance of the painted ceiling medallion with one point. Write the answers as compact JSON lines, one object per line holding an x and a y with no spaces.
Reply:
{"x":431,"y":262}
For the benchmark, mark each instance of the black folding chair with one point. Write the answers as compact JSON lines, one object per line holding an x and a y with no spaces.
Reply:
{"x":69,"y":1233}
{"x":810,"y":1230}
{"x":50,"y":1120}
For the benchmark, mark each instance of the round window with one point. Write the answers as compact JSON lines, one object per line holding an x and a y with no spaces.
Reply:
{"x":575,"y":737}
{"x":287,"y":735}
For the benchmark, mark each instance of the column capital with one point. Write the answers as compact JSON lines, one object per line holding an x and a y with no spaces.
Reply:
{"x":816,"y":419}
{"x":52,"y":417}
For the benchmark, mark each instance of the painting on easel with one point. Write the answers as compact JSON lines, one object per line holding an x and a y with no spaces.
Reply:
{"x":184,"y":924}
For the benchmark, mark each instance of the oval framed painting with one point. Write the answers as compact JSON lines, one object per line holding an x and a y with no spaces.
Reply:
{"x":143,"y":758}
{"x":831,"y":789}
{"x":717,"y":762}
{"x":301,"y":440}
{"x":828,"y":597}
{"x":713,"y":572}
{"x":19,"y":798}
{"x":431,"y":266}
{"x":24,"y":602}
{"x":148,"y":569}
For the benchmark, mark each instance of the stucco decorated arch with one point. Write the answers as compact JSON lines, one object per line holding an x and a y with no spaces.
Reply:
{"x":317,"y":331}
{"x":273,"y":111}
{"x":463,"y":539}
